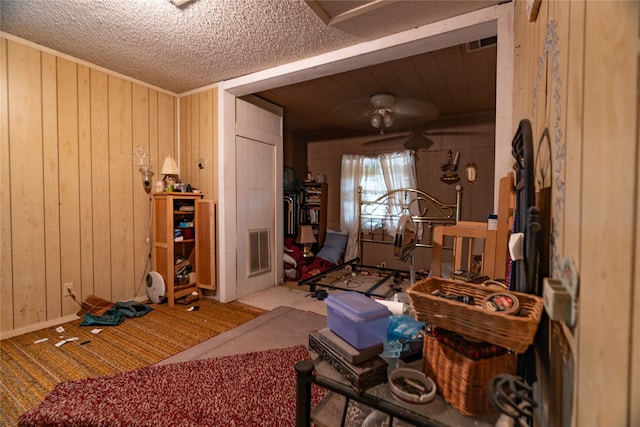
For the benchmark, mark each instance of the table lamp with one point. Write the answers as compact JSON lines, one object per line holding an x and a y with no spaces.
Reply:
{"x":170,"y":171}
{"x":306,"y":238}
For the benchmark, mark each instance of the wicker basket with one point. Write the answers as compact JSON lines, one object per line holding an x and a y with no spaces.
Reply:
{"x":461,"y":381}
{"x":512,"y":331}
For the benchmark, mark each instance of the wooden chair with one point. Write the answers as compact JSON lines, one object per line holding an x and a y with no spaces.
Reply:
{"x":495,"y":253}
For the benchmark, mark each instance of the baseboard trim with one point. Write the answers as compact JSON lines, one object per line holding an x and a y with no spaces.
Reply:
{"x":49,"y":323}
{"x":36,"y":327}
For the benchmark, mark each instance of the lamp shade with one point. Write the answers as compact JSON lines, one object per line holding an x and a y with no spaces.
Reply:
{"x":305,"y":235}
{"x":170,"y":167}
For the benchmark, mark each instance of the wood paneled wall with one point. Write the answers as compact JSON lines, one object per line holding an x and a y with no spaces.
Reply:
{"x":73,"y":207}
{"x":199,"y":146}
{"x":585,"y":91}
{"x":199,"y":141}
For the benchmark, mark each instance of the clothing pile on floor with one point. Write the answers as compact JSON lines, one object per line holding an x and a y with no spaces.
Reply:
{"x":98,"y":311}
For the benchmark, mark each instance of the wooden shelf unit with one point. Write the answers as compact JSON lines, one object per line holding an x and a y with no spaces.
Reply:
{"x":197,"y":246}
{"x":313,"y":209}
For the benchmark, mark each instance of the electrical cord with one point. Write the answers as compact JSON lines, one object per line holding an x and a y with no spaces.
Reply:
{"x":147,"y":263}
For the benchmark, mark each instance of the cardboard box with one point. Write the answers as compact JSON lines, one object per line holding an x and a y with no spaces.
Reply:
{"x":357,"y":319}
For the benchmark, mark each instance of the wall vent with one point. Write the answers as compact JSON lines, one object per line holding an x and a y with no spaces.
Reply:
{"x":482,"y":43}
{"x":259,"y":251}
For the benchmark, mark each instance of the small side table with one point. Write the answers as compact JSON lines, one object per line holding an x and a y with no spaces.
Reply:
{"x":437,"y":413}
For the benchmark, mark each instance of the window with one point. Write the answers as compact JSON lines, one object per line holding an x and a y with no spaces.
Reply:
{"x":376,"y":175}
{"x":373,"y":187}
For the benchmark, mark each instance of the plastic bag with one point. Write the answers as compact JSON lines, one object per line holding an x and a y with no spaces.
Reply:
{"x":402,"y":331}
{"x":403,"y":328}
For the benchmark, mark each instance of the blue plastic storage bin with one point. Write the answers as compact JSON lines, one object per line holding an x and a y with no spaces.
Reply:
{"x":357,"y":319}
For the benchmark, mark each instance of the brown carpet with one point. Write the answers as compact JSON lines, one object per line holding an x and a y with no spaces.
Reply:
{"x":30,"y":371}
{"x":252,"y":389}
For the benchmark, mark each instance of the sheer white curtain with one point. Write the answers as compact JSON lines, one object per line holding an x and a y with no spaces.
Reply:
{"x":376,"y":175}
{"x":399,"y":171}
{"x":351,"y":175}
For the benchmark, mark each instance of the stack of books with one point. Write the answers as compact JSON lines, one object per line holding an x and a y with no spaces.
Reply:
{"x":313,"y":197}
{"x":361,"y":368}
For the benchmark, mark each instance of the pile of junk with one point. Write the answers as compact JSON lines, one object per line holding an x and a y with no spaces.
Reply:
{"x":99,"y":311}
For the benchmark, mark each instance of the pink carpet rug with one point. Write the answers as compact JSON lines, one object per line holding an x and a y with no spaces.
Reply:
{"x":242,"y":390}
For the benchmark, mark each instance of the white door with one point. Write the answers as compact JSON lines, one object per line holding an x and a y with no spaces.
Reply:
{"x":256,"y":215}
{"x":258,"y":187}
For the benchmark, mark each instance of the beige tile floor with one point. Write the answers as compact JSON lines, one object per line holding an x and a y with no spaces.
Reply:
{"x":294,"y":296}
{"x":288,"y":296}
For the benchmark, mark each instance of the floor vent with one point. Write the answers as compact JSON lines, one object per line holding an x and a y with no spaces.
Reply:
{"x":259,"y":252}
{"x":482,"y":43}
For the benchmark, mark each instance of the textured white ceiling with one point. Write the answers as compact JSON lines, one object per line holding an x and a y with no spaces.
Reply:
{"x":205,"y":41}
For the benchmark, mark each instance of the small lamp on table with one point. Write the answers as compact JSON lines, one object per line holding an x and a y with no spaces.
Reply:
{"x":170,"y":171}
{"x":306,"y":238}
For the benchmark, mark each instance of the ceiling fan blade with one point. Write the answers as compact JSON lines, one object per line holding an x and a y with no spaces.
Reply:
{"x":415,"y":109}
{"x":414,"y":140}
{"x":418,"y":142}
{"x":389,"y":138}
{"x":352,"y":114}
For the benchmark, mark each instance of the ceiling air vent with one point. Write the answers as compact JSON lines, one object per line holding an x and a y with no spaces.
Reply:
{"x":482,"y":43}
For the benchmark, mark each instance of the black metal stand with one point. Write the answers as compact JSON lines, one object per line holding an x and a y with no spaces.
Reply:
{"x":305,"y":377}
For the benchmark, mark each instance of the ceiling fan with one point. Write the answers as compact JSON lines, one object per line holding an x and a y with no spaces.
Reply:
{"x":386,"y":108}
{"x":418,"y":137}
{"x":384,"y":111}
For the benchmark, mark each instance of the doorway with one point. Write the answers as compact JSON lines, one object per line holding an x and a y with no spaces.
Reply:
{"x":496,"y":20}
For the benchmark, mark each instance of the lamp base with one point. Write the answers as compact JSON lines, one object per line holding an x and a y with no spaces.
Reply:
{"x":306,"y":251}
{"x":170,"y":182}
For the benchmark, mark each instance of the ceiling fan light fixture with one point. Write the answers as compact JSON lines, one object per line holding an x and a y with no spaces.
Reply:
{"x":382,"y":114}
{"x":383,"y":100}
{"x":388,"y":119}
{"x":376,"y":119}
